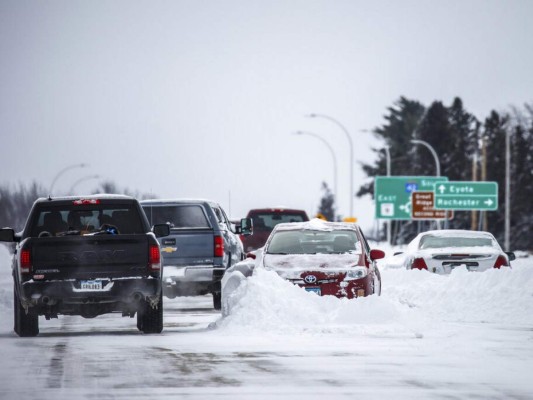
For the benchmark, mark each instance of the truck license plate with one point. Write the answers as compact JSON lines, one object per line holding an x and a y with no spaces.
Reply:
{"x":91,"y":285}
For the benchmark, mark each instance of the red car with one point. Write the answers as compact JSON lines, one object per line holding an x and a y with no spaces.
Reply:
{"x":326,"y":258}
{"x":264,"y":220}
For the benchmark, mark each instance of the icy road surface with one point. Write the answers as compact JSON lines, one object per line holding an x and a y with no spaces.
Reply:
{"x":467,"y":335}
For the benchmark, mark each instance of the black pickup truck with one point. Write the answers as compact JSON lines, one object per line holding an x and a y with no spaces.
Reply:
{"x":87,"y":256}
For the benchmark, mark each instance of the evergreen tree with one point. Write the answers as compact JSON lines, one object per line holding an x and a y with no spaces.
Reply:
{"x":396,"y":133}
{"x":402,"y":120}
{"x":327,"y":203}
{"x":522,"y":180}
{"x":495,"y":129}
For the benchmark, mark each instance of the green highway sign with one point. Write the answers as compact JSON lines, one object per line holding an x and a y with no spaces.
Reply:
{"x":392,"y":194}
{"x":459,"y":195}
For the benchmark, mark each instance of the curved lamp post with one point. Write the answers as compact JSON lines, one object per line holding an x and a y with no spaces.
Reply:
{"x":332,"y":155}
{"x":58,"y":175}
{"x":85,"y":178}
{"x":389,"y":225}
{"x":314,"y":115}
{"x":437,"y":165}
{"x":433,"y":152}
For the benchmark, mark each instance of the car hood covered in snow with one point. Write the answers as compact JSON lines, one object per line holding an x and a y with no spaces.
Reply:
{"x":327,"y":263}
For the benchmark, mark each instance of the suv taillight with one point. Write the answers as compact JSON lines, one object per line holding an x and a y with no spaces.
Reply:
{"x":25,"y":261}
{"x":219,"y":246}
{"x":501,"y":261}
{"x":419,"y":263}
{"x":154,"y":262}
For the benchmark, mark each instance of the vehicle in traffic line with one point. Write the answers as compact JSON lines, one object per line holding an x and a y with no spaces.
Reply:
{"x":264,"y":220}
{"x":441,"y":251}
{"x":201,"y":245}
{"x":326,"y":258}
{"x":86,"y":256}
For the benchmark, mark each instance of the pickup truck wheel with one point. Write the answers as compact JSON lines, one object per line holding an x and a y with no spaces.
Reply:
{"x":151,"y":319}
{"x":26,"y":324}
{"x":217,"y":300}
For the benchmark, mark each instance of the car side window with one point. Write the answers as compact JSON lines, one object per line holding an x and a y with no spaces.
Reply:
{"x":226,"y":219}
{"x":220,"y":217}
{"x":365,"y":243}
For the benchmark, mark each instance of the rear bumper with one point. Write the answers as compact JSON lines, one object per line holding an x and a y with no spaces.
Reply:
{"x":51,"y":293}
{"x":446,"y":267}
{"x":191,"y":280}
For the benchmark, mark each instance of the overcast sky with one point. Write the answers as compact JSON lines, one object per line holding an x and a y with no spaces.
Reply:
{"x":200,"y":98}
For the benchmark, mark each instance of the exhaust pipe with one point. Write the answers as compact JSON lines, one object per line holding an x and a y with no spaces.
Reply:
{"x":45,"y":300}
{"x":137,"y":297}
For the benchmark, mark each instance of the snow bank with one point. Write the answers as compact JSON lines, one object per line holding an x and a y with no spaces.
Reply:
{"x":412,"y":303}
{"x":495,"y":296}
{"x":267,"y":303}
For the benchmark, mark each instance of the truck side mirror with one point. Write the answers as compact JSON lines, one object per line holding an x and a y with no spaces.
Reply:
{"x":7,"y":235}
{"x":245,"y":228}
{"x":161,"y":230}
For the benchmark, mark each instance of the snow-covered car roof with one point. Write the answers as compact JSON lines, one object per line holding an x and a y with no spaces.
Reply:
{"x":315,"y":224}
{"x":100,"y":196}
{"x":457,"y":233}
{"x":453,"y":233}
{"x":177,"y":201}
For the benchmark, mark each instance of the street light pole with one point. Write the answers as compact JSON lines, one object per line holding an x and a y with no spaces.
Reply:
{"x":314,"y":115}
{"x":389,"y":222}
{"x":437,"y":165}
{"x":62,"y":172}
{"x":332,"y":155}
{"x":85,"y":178}
{"x":507,"y":228}
{"x":433,"y":152}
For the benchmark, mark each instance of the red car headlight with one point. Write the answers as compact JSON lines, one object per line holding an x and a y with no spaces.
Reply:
{"x":356,"y":273}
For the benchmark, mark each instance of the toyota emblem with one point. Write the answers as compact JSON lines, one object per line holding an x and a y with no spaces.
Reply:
{"x":310,"y":279}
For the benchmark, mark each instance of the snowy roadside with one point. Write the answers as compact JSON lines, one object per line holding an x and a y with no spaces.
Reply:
{"x":467,"y":335}
{"x":410,"y":301}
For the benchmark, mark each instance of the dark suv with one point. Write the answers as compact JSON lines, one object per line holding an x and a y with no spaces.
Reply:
{"x":264,"y":220}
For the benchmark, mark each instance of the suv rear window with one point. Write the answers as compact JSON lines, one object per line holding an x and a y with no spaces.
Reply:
{"x":179,"y":216}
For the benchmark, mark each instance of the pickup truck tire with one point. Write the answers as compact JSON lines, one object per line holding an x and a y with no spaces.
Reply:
{"x":26,"y":324}
{"x":149,"y":319}
{"x":217,"y":300}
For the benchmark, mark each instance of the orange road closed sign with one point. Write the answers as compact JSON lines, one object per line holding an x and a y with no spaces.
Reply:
{"x":423,"y":207}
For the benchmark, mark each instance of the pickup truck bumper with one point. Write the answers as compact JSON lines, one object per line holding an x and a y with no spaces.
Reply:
{"x":123,"y":290}
{"x":191,"y":280}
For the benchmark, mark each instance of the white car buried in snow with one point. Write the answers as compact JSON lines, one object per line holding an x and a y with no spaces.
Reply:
{"x":441,"y":251}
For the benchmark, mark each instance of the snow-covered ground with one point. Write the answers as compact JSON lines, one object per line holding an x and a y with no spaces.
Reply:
{"x":466,"y":335}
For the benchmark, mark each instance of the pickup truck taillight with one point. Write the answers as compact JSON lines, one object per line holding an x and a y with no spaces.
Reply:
{"x":219,"y":246}
{"x":25,"y":261}
{"x":154,"y":263}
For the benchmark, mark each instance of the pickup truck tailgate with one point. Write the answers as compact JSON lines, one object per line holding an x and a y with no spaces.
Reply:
{"x":78,"y":257}
{"x":188,"y":247}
